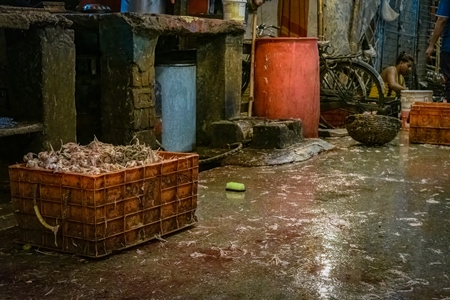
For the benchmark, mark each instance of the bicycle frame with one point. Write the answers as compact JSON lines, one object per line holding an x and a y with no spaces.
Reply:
{"x":356,"y":73}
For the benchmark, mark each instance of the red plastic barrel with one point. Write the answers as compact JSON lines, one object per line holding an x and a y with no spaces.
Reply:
{"x":287,"y":81}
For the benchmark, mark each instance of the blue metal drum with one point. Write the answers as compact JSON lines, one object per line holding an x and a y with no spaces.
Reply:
{"x":178,"y":105}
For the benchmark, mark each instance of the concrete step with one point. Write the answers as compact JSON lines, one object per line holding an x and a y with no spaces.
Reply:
{"x":263,"y":133}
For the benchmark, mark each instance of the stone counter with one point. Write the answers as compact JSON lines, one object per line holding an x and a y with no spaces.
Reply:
{"x":26,"y":18}
{"x":127,"y":43}
{"x":160,"y":24}
{"x":41,"y":55}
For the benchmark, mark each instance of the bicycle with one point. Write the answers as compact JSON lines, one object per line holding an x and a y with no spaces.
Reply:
{"x":351,"y":84}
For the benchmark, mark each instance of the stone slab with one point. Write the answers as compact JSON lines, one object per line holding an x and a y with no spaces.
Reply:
{"x":26,"y":17}
{"x":21,"y":128}
{"x":160,"y":24}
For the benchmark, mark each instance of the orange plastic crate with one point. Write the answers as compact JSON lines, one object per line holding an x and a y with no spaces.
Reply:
{"x":99,"y":214}
{"x":430,"y":123}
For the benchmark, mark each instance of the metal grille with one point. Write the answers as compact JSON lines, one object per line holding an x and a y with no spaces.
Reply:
{"x":401,"y":35}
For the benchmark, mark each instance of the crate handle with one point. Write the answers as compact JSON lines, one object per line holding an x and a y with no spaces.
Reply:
{"x":55,"y":228}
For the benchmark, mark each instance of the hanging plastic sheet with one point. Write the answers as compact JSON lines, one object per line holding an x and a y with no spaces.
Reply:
{"x":347,"y":21}
{"x":387,"y":13}
{"x":363,"y":13}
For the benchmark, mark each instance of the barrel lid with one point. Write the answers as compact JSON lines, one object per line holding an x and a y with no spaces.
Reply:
{"x":176,"y":63}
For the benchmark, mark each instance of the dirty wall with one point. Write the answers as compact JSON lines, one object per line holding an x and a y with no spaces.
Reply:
{"x":345,"y":22}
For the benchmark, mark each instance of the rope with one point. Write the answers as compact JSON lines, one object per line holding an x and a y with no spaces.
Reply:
{"x":220,"y":156}
{"x":213,"y":158}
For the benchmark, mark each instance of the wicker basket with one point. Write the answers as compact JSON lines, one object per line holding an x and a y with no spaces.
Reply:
{"x":372,"y":129}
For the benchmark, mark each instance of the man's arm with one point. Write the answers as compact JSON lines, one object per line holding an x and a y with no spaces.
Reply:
{"x":437,"y":31}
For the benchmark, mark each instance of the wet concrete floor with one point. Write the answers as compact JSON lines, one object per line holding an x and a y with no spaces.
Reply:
{"x":354,"y":222}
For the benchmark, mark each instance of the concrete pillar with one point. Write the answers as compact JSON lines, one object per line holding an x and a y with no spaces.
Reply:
{"x":233,"y":75}
{"x":42,"y":81}
{"x":128,"y":79}
{"x":219,"y":78}
{"x":4,"y":105}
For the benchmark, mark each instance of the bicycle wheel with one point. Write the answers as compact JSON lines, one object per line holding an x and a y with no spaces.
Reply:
{"x":348,"y":87}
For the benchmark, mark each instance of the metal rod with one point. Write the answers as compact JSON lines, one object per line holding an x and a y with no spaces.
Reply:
{"x":252,"y":64}
{"x":320,"y":20}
